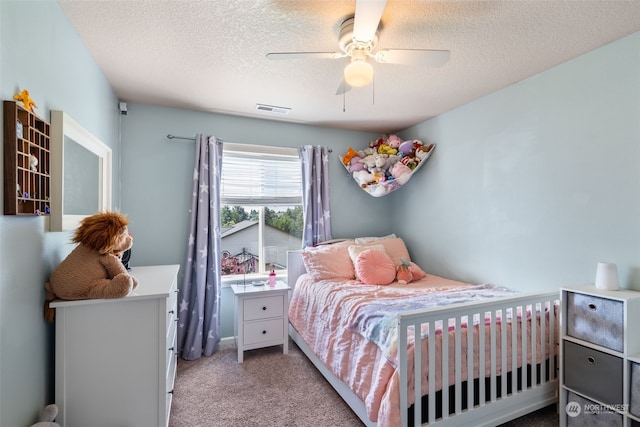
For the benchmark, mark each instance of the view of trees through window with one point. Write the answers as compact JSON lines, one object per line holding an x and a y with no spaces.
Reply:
{"x":289,"y":220}
{"x":243,"y":232}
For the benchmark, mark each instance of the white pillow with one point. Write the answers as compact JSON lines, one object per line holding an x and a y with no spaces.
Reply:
{"x":361,"y":240}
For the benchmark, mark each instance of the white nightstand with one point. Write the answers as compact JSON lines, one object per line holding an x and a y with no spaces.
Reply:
{"x":261,"y":316}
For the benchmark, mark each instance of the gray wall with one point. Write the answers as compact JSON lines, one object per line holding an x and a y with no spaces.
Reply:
{"x":531,"y":186}
{"x":40,"y":51}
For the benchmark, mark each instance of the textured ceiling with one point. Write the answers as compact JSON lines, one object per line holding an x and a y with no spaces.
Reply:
{"x":210,"y":55}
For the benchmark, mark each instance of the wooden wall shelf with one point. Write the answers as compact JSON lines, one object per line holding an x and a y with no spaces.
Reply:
{"x":27,"y":184}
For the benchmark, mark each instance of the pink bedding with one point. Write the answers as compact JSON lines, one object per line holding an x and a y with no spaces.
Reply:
{"x":348,"y":326}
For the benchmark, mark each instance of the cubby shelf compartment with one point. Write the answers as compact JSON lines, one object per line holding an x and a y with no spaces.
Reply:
{"x":27,"y":184}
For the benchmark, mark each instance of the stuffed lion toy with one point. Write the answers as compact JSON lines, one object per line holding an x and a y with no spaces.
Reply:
{"x":94,"y":268}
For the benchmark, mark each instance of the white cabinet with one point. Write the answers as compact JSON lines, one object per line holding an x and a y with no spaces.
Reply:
{"x":261,"y":316}
{"x":600,"y":357}
{"x":116,"y":358}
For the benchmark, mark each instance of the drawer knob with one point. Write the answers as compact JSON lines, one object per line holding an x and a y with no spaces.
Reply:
{"x":264,"y":332}
{"x":591,"y":360}
{"x":593,"y":307}
{"x":264,"y":308}
{"x":171,"y":311}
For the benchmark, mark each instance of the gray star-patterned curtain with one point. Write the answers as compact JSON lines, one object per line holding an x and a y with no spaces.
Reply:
{"x":198,"y":320}
{"x":315,"y":195}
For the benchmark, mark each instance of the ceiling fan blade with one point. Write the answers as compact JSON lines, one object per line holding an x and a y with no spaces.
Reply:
{"x":343,"y":88}
{"x":305,"y":55}
{"x":367,"y":19}
{"x":429,"y":58}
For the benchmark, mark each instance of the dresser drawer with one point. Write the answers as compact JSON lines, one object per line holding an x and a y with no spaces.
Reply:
{"x":593,"y":373}
{"x":596,"y":320}
{"x":263,"y":308}
{"x":265,"y":331}
{"x":590,"y":414}
{"x":634,"y":390}
{"x":171,"y":372}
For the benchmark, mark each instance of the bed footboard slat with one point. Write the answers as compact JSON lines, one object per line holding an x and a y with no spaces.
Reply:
{"x":403,"y":368}
{"x":458,"y":364}
{"x":493,"y":366}
{"x":445,"y":366}
{"x":417,"y":373}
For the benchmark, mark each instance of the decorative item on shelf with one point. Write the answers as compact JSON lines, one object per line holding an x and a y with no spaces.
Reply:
{"x":272,"y":277}
{"x":607,"y":276}
{"x":26,"y":100}
{"x":19,"y":129}
{"x":33,"y":163}
{"x":386,"y":164}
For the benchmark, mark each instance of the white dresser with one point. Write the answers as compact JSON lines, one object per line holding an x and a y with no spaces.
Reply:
{"x":261,"y":317}
{"x":116,"y":359}
{"x":600,"y":358}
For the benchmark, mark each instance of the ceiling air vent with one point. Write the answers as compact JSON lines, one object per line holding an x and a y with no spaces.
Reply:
{"x":272,"y":109}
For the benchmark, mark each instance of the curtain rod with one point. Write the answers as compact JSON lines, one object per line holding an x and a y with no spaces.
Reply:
{"x":171,"y":136}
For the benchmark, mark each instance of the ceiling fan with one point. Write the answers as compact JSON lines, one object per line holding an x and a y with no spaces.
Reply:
{"x":357,"y":39}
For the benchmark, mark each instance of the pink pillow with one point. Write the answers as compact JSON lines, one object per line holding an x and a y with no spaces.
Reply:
{"x":329,"y":261}
{"x":355,"y":250}
{"x":374,"y":267}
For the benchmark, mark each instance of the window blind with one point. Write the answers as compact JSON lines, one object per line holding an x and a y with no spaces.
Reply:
{"x":260,"y":175}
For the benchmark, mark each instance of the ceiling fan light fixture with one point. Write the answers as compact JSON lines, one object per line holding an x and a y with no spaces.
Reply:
{"x":358,"y":73}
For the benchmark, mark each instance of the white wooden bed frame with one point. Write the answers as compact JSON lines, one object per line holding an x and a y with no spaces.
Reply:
{"x":538,"y":393}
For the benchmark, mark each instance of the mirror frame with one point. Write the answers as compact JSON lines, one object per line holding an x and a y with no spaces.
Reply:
{"x":62,"y":125}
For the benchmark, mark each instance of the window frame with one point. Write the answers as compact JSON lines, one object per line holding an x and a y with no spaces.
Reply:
{"x":288,"y":154}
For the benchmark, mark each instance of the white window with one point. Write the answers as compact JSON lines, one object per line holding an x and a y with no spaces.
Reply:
{"x":261,"y":208}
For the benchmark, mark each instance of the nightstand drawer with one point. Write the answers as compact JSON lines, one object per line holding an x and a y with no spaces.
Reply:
{"x":263,"y":308}
{"x":593,"y":373}
{"x":634,"y":390}
{"x":591,"y":414}
{"x":269,"y":330}
{"x":596,"y":320}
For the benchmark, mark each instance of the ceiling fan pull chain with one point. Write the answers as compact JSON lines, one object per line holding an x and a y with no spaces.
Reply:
{"x":344,"y":99}
{"x":373,"y":91}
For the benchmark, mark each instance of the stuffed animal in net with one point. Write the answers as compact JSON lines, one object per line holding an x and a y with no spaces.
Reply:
{"x":94,"y":268}
{"x":47,"y":417}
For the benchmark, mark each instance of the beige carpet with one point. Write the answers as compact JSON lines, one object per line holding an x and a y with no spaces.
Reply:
{"x":270,"y":389}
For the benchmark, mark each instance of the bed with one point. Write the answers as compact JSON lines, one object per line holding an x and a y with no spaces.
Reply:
{"x":362,"y":337}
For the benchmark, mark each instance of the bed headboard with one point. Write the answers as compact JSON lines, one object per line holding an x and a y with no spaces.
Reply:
{"x":295,"y":267}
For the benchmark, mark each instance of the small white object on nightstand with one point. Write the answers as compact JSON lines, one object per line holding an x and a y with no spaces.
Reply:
{"x":261,"y":317}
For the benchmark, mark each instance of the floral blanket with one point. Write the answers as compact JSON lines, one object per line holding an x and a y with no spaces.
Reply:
{"x":377,"y":321}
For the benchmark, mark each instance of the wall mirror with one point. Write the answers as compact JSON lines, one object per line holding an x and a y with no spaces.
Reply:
{"x":80,"y":173}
